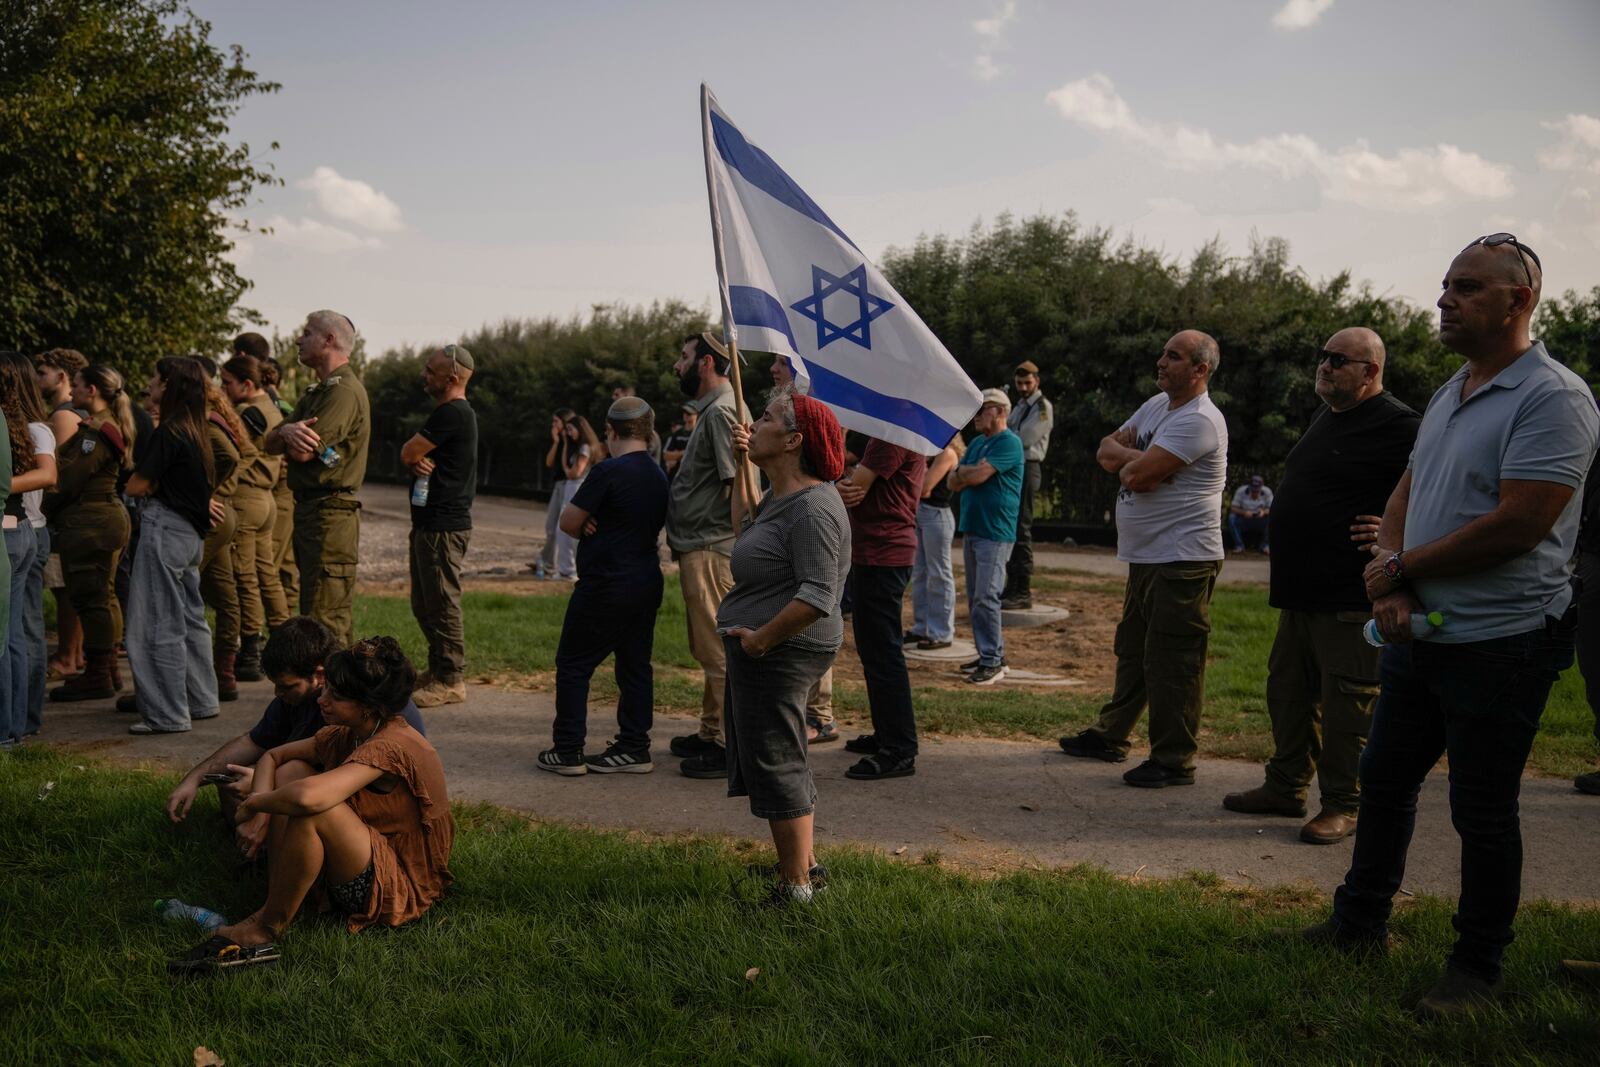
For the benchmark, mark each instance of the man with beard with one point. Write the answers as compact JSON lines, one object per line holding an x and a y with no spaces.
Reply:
{"x":443,"y":456}
{"x":700,"y":532}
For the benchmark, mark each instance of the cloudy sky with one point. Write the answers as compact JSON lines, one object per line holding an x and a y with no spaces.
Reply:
{"x":447,"y":167}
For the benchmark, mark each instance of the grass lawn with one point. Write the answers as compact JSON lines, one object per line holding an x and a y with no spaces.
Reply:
{"x":567,"y":946}
{"x":510,"y":635}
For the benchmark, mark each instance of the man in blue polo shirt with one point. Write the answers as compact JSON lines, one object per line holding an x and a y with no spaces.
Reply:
{"x":991,"y":473}
{"x":1481,"y":528}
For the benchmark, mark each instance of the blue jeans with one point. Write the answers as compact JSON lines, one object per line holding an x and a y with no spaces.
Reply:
{"x":1480,"y":703}
{"x":933,"y":582}
{"x":20,"y":548}
{"x":33,"y":623}
{"x":169,"y":643}
{"x":985,"y":563}
{"x":1243,"y":529}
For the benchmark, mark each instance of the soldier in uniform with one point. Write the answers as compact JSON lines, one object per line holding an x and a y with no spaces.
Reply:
{"x":231,"y":451}
{"x":282,"y":497}
{"x":325,"y":441}
{"x":262,"y":604}
{"x":92,"y":524}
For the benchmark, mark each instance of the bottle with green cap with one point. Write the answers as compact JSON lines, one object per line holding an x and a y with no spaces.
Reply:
{"x":1422,"y":624}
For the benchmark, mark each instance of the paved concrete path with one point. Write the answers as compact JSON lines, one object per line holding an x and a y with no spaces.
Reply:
{"x":983,"y":803}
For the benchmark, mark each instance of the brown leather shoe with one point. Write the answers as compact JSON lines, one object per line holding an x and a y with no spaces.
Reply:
{"x":1263,"y":801}
{"x":1328,"y":828}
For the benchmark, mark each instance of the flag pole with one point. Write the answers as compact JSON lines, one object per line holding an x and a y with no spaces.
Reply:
{"x":745,"y":482}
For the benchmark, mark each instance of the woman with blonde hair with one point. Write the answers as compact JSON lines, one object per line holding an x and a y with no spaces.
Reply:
{"x":92,"y":525}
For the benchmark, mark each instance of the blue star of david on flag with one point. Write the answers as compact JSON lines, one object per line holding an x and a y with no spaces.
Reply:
{"x":824,"y":285}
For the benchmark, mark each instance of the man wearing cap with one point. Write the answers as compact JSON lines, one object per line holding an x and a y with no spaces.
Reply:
{"x":700,"y":534}
{"x":1031,"y":420}
{"x":325,"y":440}
{"x":672,"y":448}
{"x":1171,"y":458}
{"x":616,"y":517}
{"x":1248,"y":513}
{"x":443,"y":457}
{"x":991,"y":474}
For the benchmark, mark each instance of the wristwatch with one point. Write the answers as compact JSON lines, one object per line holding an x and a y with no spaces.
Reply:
{"x":1394,"y":568}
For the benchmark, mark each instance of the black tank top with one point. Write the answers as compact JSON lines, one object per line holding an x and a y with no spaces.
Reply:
{"x":940,"y":497}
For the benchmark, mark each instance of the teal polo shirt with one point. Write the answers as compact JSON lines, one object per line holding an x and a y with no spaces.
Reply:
{"x":990,"y":510}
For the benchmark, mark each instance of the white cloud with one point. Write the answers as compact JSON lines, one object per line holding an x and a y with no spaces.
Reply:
{"x":313,"y":236}
{"x":1412,"y":178}
{"x":1579,"y":147}
{"x":351,"y":200}
{"x":1300,"y":14}
{"x":991,"y":34}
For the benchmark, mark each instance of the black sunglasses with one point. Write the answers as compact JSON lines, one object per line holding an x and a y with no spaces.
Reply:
{"x":1335,"y":360}
{"x":1494,"y":240}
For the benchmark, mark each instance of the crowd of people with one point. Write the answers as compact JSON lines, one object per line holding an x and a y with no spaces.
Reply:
{"x":1453,"y":533}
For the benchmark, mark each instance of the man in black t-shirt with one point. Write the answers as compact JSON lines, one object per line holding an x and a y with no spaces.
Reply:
{"x":617,"y":516}
{"x":1322,"y":676}
{"x":443,"y":456}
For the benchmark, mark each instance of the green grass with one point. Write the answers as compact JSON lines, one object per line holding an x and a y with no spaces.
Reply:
{"x":560,"y":945}
{"x":511,"y":634}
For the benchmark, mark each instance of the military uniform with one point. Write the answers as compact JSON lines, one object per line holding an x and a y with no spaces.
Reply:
{"x":218,"y":587}
{"x":327,"y":516}
{"x":261,"y":599}
{"x":91,"y":530}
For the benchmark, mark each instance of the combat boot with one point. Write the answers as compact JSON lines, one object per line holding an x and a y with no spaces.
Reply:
{"x":247,"y":667}
{"x":95,"y":681}
{"x":227,"y":683}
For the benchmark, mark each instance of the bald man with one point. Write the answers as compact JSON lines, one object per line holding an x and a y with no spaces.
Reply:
{"x":325,"y":441}
{"x":1482,"y":528}
{"x":1322,"y":675}
{"x":1171,"y":459}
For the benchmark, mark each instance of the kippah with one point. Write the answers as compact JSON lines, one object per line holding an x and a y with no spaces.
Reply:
{"x":628,"y":408}
{"x":460,"y":355}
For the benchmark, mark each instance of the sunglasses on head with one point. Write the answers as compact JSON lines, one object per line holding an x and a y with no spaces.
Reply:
{"x":1335,"y":360}
{"x":1494,"y":240}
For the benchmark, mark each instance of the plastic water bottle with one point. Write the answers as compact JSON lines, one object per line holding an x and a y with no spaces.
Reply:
{"x":419,"y":492}
{"x":205,"y":918}
{"x":328,"y":456}
{"x":1421,"y":626}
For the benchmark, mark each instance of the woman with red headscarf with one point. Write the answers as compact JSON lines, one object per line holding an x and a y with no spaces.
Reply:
{"x":781,"y":624}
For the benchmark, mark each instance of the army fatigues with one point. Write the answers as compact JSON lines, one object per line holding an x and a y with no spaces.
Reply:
{"x":261,"y":599}
{"x":217,"y":585}
{"x":91,"y":528}
{"x":327,"y":516}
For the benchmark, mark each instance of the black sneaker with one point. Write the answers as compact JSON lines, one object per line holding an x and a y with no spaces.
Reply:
{"x":1151,"y":775}
{"x":973,"y":664}
{"x":874,"y":768}
{"x":713,"y":764}
{"x":1327,"y":934}
{"x":865,"y":744}
{"x":1457,"y":995}
{"x":1016,"y":602}
{"x":988,"y":675}
{"x":1091,"y":746}
{"x":909,"y":638}
{"x":691,"y":745}
{"x":618,"y":760}
{"x":566,"y":763}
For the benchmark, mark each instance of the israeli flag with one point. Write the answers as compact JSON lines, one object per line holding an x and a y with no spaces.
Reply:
{"x":793,"y":283}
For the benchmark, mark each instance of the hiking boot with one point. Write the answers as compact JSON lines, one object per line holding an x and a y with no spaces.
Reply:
{"x":1327,"y":934}
{"x":691,"y":745}
{"x":882,"y":765}
{"x":1583,"y":972}
{"x":247,"y":667}
{"x":1588,"y":783}
{"x":1089,"y":745}
{"x":713,"y":764}
{"x":568,"y":764}
{"x":1328,"y":828}
{"x":865,"y":744}
{"x":1152,"y":775}
{"x":1263,"y":801}
{"x":619,"y":760}
{"x":93,"y":684}
{"x":440,"y":692}
{"x":227,"y":684}
{"x":1017,"y":602}
{"x":1457,"y":995}
{"x":987,"y":675}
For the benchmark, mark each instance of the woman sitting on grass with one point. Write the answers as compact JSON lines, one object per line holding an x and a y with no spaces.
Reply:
{"x":374,"y":828}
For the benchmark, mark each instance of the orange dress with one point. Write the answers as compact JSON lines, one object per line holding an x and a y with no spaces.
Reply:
{"x":411,"y":827}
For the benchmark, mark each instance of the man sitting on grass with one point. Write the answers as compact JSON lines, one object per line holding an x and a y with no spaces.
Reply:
{"x":293,"y":659}
{"x":360,"y":810}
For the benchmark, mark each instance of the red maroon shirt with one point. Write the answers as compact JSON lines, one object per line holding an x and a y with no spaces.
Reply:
{"x":883,"y":527}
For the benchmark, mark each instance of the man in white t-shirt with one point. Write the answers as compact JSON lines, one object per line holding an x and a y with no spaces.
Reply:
{"x":1172,"y":461}
{"x":1247,"y":515}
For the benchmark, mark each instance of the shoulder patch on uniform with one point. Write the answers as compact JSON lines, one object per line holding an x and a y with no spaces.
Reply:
{"x":333,"y":380}
{"x":253,"y":418}
{"x":89,"y":444}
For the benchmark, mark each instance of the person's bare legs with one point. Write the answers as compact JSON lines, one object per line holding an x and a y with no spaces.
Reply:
{"x":792,"y":837}
{"x":69,"y":637}
{"x":300,"y":848}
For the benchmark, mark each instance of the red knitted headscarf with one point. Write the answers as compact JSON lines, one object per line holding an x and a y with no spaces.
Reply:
{"x":823,"y":440}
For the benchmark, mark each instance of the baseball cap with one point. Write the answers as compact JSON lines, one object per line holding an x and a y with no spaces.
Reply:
{"x":997,"y":396}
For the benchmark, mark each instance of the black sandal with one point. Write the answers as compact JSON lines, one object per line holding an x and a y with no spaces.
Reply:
{"x":220,"y":953}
